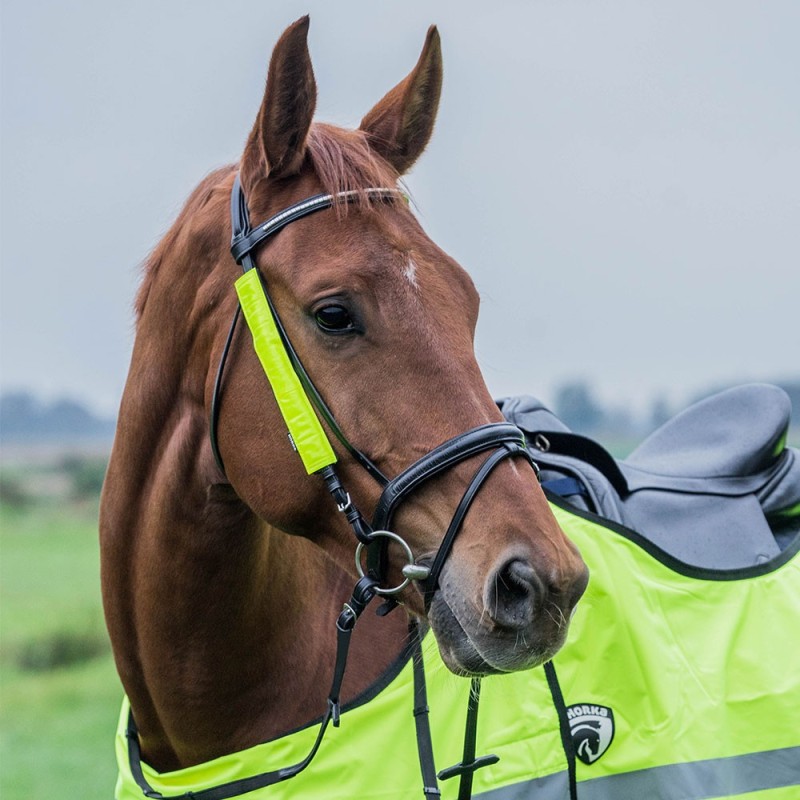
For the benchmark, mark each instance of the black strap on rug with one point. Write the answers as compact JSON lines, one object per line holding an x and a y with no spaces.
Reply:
{"x":469,"y":764}
{"x":563,"y":723}
{"x":363,"y":592}
{"x":430,"y":787}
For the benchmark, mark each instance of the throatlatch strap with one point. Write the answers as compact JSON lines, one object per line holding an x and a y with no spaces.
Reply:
{"x":216,"y":398}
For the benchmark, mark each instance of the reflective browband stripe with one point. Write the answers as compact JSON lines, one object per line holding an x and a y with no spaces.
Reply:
{"x":293,"y":391}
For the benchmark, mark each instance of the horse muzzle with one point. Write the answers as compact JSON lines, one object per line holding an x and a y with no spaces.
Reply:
{"x":512,"y":613}
{"x":519,"y":621}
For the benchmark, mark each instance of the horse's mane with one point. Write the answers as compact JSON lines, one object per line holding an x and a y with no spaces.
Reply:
{"x":342,"y":160}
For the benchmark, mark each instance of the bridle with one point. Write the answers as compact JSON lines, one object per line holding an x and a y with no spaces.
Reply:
{"x":503,"y":438}
{"x":298,"y":400}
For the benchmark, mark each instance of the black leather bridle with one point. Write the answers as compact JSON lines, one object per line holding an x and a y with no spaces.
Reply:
{"x":503,"y":438}
{"x":500,"y":440}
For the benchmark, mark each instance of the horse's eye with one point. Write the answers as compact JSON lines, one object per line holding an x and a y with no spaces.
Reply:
{"x":334,"y":319}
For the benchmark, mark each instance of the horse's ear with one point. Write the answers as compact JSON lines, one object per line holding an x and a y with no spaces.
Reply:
{"x":400,"y":126}
{"x":277,"y":142}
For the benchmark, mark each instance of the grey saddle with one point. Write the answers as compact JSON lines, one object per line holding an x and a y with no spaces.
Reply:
{"x":715,"y":487}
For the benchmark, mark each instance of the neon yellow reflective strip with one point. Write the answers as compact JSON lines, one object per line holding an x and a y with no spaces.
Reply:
{"x":704,"y":703}
{"x":304,"y":427}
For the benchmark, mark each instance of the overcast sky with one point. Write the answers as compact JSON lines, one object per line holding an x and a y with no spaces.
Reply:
{"x":621,"y":179}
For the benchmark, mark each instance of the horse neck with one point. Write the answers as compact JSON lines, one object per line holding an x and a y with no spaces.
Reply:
{"x":222,"y":627}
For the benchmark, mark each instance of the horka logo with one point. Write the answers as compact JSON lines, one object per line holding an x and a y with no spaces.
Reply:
{"x":592,"y":729}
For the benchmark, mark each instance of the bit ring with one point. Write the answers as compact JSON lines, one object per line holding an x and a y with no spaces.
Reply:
{"x":406,"y":550}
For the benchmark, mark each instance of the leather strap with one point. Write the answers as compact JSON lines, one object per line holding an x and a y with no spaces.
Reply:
{"x":216,"y":398}
{"x":430,"y":787}
{"x":245,"y":240}
{"x":440,"y":459}
{"x":563,"y":724}
{"x":468,"y":765}
{"x":507,"y":450}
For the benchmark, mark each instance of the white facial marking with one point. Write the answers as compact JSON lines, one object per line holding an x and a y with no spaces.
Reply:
{"x":410,"y":273}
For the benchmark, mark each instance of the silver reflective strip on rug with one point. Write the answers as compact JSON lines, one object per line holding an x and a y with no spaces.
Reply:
{"x":695,"y":780}
{"x":550,"y":787}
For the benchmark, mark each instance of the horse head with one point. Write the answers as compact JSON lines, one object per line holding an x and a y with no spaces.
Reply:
{"x":383,"y":320}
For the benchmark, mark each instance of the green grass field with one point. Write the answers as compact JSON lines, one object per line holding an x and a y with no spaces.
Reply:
{"x":59,"y":693}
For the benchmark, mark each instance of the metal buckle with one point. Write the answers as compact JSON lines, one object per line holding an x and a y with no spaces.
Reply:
{"x":541,"y":443}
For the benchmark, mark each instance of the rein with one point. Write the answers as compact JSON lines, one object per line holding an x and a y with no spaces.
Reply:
{"x":301,"y":406}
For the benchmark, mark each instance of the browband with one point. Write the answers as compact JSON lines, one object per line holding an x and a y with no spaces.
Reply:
{"x":245,"y":240}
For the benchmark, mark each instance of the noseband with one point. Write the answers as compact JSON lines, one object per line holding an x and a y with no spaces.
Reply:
{"x":298,"y":398}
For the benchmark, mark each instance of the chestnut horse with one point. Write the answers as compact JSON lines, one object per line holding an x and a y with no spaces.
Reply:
{"x":221,"y":583}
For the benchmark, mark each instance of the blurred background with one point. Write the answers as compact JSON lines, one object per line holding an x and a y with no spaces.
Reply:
{"x":619,"y":178}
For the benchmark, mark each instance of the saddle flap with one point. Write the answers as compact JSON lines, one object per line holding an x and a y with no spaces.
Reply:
{"x":735,"y":433}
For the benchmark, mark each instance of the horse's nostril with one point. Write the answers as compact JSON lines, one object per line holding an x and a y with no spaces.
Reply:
{"x":513,"y":593}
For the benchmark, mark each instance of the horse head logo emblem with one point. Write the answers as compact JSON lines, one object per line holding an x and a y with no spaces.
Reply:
{"x":592,"y":729}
